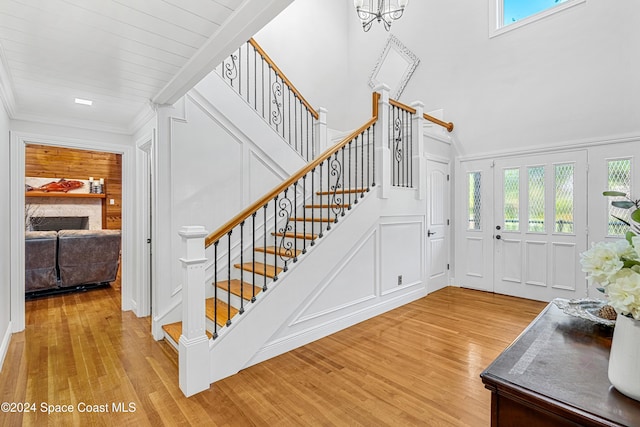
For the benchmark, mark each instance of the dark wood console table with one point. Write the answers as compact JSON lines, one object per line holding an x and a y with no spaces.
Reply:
{"x":555,"y":374}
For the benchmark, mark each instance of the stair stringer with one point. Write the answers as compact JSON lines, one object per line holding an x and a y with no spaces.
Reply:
{"x":264,"y":330}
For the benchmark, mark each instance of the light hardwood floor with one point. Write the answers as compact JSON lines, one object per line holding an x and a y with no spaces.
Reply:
{"x":416,"y":365}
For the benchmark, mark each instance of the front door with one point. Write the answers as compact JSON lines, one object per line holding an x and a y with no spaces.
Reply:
{"x":540,"y":225}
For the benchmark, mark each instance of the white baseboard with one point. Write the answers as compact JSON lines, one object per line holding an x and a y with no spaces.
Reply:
{"x":4,"y":345}
{"x":307,"y":336}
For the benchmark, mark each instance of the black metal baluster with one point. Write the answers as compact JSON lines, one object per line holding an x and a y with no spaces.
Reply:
{"x":255,"y":79}
{"x":328,"y":195}
{"x":304,"y":214}
{"x":343,"y":187}
{"x":253,"y":257}
{"x":215,"y":289}
{"x":295,"y":221}
{"x":229,"y":277}
{"x":295,"y":123}
{"x":362,"y":187}
{"x":373,"y":146}
{"x":275,"y":239}
{"x":264,"y":226}
{"x":355,"y":172}
{"x":321,"y":195}
{"x":349,"y":189}
{"x":313,"y":195}
{"x":248,"y":72}
{"x":368,"y":157}
{"x":241,"y":269}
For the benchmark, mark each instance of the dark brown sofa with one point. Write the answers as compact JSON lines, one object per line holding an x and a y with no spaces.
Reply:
{"x":40,"y":260}
{"x":88,"y":256}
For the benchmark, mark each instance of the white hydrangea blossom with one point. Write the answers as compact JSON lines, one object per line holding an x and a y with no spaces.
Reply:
{"x":623,"y":292}
{"x":603,"y":260}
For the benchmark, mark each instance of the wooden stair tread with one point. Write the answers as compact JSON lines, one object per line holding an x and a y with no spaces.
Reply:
{"x":307,"y":236}
{"x":316,"y":219}
{"x":235,"y":287}
{"x":278,"y":251}
{"x":260,"y":268}
{"x":221,"y":318}
{"x":174,"y":330}
{"x":343,"y":191}
{"x":325,"y":206}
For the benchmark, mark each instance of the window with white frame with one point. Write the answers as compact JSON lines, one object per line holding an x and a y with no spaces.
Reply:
{"x":511,"y":14}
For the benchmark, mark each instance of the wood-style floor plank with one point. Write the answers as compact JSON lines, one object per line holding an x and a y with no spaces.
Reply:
{"x":416,"y":365}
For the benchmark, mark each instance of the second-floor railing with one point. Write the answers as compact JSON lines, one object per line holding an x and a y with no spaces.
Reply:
{"x":259,"y":81}
{"x":400,"y":143}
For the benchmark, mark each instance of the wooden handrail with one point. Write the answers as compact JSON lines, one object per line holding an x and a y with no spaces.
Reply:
{"x":247,"y":212}
{"x":402,"y":106}
{"x":284,"y":78}
{"x":448,"y":126}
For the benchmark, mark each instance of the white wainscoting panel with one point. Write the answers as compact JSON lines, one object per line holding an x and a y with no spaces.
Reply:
{"x":475,"y":258}
{"x":564,"y":266}
{"x":536,"y":263}
{"x":511,"y":260}
{"x":401,"y":253}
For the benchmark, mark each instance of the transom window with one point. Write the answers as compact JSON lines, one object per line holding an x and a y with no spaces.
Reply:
{"x":511,"y":14}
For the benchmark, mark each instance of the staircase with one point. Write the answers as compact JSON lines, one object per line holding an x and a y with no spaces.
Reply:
{"x":269,"y":262}
{"x":248,"y":292}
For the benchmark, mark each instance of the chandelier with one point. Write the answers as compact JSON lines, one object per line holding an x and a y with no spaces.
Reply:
{"x":386,"y":12}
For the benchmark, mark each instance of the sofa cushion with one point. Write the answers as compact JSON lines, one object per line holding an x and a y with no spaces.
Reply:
{"x":88,"y":256}
{"x":40,"y":260}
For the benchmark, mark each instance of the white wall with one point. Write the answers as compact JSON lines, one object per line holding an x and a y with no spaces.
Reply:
{"x":308,"y":42}
{"x":5,"y":227}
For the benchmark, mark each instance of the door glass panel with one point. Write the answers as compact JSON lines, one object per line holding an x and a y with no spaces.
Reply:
{"x":536,"y":199}
{"x":475,"y":200}
{"x":619,"y":179}
{"x":511,"y":199}
{"x":564,"y":198}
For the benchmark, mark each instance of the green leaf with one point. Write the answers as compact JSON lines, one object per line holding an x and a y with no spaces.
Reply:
{"x":630,"y":235}
{"x":601,"y":290}
{"x":635,"y":215}
{"x":628,"y":263}
{"x":614,"y":194}
{"x":622,"y":220}
{"x":623,"y":204}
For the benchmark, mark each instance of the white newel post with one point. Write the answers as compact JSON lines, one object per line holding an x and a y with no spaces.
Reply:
{"x":419,"y":163}
{"x":383,"y":154}
{"x":194,"y":357}
{"x":321,"y":138}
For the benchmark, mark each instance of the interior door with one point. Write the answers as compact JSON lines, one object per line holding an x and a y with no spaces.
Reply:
{"x":540,"y":225}
{"x":437,"y":225}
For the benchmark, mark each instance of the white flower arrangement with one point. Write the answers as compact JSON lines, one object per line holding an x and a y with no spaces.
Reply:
{"x":615,"y":266}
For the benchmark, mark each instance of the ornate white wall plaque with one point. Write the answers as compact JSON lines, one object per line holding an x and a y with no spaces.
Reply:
{"x":394,"y":67}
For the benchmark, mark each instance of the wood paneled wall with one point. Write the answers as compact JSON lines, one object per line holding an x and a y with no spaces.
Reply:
{"x":57,"y":162}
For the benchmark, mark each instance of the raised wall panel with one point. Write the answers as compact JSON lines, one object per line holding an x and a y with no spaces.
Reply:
{"x":511,"y":260}
{"x":536,"y":263}
{"x":475,"y":256}
{"x":262,"y":177}
{"x":401,"y":254}
{"x":564,"y":266}
{"x":346,"y":286}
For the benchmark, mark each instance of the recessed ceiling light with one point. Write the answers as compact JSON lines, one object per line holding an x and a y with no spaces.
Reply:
{"x":84,"y":101}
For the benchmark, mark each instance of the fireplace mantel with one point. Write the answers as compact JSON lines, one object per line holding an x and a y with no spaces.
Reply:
{"x":62,"y":194}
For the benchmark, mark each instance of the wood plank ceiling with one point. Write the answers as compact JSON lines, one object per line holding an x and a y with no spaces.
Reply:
{"x":123,"y":55}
